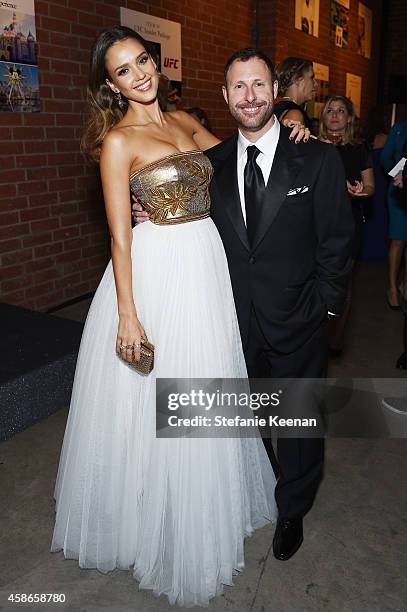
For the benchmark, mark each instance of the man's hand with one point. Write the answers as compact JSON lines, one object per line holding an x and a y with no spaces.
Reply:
{"x":139,"y":214}
{"x":299,"y":131}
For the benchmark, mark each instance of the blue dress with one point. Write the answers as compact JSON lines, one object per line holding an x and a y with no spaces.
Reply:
{"x":391,"y":154}
{"x":375,"y":231}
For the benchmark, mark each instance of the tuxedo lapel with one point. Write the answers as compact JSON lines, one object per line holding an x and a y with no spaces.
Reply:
{"x":227,"y":185}
{"x":286,"y":165}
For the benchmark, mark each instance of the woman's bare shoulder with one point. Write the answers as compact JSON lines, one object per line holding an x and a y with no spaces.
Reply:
{"x":123,"y":139}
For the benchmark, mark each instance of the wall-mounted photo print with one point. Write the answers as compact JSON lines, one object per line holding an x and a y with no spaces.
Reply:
{"x":340,"y":22}
{"x":19,"y":91}
{"x":307,"y":16}
{"x":364,"y":31}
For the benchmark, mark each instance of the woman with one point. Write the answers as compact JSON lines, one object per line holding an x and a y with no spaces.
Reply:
{"x":175,"y":510}
{"x":400,"y":183}
{"x":296,"y":86}
{"x":337,"y":127}
{"x":397,"y":210}
{"x":375,"y":242}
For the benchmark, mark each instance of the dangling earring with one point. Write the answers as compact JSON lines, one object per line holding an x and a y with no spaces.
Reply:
{"x":119,"y":100}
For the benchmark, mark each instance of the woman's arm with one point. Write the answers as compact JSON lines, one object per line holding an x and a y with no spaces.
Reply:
{"x":363,"y":188}
{"x":292,"y":114}
{"x":368,"y":181}
{"x":115,"y":163}
{"x":202,"y":138}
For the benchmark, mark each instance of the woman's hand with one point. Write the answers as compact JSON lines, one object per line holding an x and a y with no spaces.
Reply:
{"x":299,"y":131}
{"x":128,"y":339}
{"x":398,"y":180}
{"x":139,"y":214}
{"x":356,"y":190}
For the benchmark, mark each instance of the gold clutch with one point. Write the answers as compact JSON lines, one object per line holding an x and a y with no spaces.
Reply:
{"x":146,"y":363}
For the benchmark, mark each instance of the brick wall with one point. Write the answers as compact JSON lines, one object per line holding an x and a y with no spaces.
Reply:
{"x":53,"y":239}
{"x":279,"y":38}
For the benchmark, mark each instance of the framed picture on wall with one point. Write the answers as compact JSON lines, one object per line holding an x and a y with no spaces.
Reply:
{"x":340,"y":22}
{"x":354,"y":90}
{"x":364,"y":31}
{"x":307,"y":16}
{"x":19,"y":87}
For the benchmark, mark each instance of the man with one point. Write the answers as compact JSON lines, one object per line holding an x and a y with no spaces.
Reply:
{"x":286,"y":224}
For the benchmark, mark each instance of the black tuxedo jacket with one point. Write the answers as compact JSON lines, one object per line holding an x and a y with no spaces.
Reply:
{"x":297,"y":268}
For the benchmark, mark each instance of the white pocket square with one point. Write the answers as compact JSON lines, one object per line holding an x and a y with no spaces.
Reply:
{"x":297,"y":190}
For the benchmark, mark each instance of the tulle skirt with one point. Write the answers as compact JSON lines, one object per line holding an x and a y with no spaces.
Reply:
{"x":175,"y":511}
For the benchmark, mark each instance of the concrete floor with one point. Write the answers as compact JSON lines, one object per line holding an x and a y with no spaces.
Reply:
{"x":354,"y":556}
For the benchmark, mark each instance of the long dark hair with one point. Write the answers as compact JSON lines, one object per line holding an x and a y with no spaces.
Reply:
{"x":103,"y":104}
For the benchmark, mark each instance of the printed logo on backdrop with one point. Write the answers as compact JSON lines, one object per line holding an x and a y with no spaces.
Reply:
{"x":165,"y":36}
{"x":19,"y":89}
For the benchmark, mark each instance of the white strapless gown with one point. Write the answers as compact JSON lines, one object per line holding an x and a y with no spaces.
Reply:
{"x":175,"y":511}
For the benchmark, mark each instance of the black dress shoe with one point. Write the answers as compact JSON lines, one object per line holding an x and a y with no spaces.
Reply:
{"x":288,"y":538}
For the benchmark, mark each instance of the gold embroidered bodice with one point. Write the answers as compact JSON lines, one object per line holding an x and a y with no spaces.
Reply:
{"x":174,"y":189}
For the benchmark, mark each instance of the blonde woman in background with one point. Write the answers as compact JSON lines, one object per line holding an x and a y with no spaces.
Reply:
{"x":337,"y":127}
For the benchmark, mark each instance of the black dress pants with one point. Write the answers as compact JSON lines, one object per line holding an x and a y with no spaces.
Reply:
{"x":299,"y":462}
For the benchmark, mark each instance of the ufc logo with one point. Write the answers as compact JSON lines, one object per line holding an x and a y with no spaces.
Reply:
{"x":171,"y":62}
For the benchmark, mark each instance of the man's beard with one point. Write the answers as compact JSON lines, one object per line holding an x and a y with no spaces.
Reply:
{"x":255,"y":123}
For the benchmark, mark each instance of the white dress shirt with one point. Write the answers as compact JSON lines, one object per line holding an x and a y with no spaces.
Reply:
{"x":267,"y":145}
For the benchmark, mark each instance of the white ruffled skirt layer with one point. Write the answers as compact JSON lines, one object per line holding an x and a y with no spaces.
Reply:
{"x":174,"y":510}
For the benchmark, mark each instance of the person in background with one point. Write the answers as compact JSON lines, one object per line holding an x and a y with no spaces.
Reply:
{"x":375,"y":242}
{"x":400,"y":184}
{"x":391,"y":154}
{"x":201,"y":116}
{"x":296,"y":86}
{"x":375,"y":130}
{"x":337,"y":127}
{"x":315,"y":126}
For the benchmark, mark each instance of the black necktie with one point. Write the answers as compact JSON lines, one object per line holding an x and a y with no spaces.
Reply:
{"x":253,"y":191}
